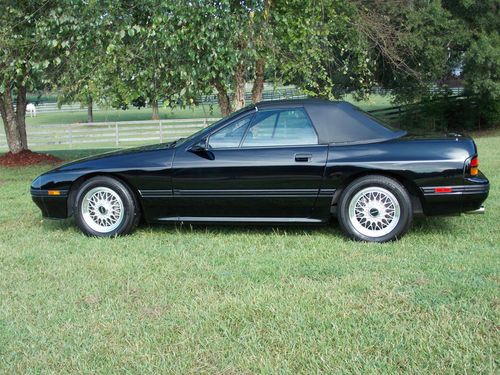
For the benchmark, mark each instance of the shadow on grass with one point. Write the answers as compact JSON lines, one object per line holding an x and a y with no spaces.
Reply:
{"x":432,"y":225}
{"x":421,"y":226}
{"x":69,"y":225}
{"x":292,"y":229}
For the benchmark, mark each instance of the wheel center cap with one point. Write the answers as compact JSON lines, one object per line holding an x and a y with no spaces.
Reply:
{"x":102,"y":210}
{"x":374,"y":212}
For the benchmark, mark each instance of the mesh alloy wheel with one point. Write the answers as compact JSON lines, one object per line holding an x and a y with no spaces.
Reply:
{"x":375,"y":208}
{"x":102,"y":209}
{"x":105,"y":207}
{"x":374,"y":211}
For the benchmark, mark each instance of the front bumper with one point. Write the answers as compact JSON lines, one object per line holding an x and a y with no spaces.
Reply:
{"x":52,"y":207}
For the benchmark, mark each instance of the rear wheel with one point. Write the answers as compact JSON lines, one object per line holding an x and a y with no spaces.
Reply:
{"x":375,"y":209}
{"x":105,"y":207}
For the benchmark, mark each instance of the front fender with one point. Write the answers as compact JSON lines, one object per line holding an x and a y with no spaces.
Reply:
{"x":140,"y":170}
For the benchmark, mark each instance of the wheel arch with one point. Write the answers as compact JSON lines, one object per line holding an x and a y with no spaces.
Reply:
{"x":410,"y":186}
{"x":73,"y":191}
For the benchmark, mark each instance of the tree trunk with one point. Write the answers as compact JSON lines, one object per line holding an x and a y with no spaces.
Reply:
{"x":21,"y":114}
{"x":154,"y":106}
{"x":223,"y":99}
{"x":239,"y":87}
{"x":14,"y":121}
{"x":258,"y":84}
{"x":90,"y":109}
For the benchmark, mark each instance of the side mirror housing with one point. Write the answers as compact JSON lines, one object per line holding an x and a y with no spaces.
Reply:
{"x":198,"y":148}
{"x":201,"y":149}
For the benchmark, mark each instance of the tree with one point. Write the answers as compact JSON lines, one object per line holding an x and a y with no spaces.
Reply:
{"x":81,"y":81}
{"x":145,"y":56}
{"x":480,"y":46}
{"x":314,"y":45}
{"x":420,"y":44}
{"x":319,"y":48}
{"x":37,"y":40}
{"x":480,"y":51}
{"x":411,"y":44}
{"x":225,"y":42}
{"x":214,"y":53}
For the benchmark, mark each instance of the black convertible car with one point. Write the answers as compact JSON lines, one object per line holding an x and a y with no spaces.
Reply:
{"x":296,"y":161}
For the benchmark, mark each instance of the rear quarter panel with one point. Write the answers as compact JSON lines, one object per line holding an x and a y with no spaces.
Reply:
{"x":416,"y":163}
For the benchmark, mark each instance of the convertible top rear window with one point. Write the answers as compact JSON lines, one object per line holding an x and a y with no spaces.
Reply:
{"x":342,"y":122}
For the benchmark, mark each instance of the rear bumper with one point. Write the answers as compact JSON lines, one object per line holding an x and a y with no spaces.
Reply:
{"x":474,"y":198}
{"x":52,"y":207}
{"x":479,"y":211}
{"x":449,"y":200}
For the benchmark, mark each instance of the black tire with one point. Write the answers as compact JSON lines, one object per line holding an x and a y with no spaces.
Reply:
{"x":354,"y":202}
{"x":122,"y":198}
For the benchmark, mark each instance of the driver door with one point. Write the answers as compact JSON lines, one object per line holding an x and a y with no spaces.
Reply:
{"x":266,"y":166}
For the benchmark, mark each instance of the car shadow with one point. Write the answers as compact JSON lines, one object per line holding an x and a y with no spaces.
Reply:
{"x":69,"y":225}
{"x":432,"y":225}
{"x":292,"y":229}
{"x":421,"y":226}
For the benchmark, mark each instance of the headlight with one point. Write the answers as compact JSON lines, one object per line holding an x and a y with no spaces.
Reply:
{"x":37,"y":183}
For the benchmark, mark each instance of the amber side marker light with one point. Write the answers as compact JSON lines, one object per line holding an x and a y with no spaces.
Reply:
{"x":474,"y":166}
{"x":54,"y":192}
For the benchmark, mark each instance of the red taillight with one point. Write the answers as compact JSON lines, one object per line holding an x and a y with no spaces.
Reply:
{"x":474,"y":166}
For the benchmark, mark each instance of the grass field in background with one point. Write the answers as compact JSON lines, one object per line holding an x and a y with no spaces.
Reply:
{"x":239,"y":300}
{"x":134,"y":114}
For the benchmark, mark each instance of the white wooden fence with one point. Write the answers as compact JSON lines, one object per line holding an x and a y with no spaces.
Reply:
{"x":53,"y":107}
{"x":109,"y":134}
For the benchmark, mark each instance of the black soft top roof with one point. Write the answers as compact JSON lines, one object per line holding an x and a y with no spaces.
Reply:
{"x":338,"y":122}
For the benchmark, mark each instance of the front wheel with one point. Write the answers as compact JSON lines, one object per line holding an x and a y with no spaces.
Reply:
{"x":375,"y":209}
{"x":105,"y":207}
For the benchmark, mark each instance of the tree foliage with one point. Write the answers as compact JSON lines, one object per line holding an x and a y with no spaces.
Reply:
{"x":226,"y":42}
{"x":37,"y":41}
{"x":136,"y":52}
{"x":319,"y":48}
{"x":480,"y":47}
{"x":146,"y":55}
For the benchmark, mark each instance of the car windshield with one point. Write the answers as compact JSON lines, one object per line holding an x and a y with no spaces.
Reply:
{"x":211,"y":126}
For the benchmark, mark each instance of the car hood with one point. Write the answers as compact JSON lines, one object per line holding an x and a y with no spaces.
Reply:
{"x":157,"y":155}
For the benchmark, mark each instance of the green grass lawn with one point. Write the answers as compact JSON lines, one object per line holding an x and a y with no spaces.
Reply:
{"x":238,"y":300}
{"x":134,"y":114}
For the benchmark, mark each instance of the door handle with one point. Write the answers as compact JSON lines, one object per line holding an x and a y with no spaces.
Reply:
{"x":303,"y":157}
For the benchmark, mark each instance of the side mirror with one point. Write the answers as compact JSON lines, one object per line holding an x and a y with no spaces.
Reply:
{"x":201,"y":149}
{"x":198,"y":148}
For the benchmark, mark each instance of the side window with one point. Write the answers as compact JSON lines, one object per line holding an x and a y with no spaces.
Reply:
{"x":281,"y":128}
{"x":229,"y":136}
